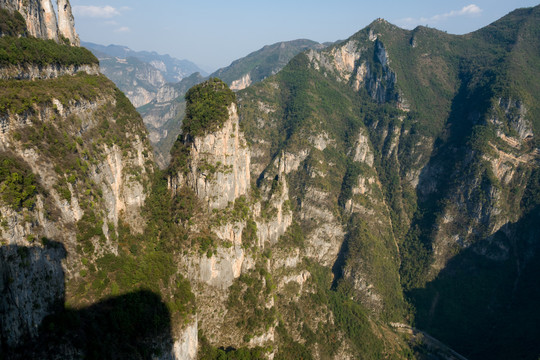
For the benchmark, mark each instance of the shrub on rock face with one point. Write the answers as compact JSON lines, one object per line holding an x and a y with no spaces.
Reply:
{"x":12,"y":23}
{"x":206,"y":107}
{"x":17,"y":183}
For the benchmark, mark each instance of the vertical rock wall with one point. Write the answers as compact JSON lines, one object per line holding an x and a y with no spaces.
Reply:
{"x":41,"y":19}
{"x":32,"y":286}
{"x":66,"y":22}
{"x":49,"y":17}
{"x":219,"y":168}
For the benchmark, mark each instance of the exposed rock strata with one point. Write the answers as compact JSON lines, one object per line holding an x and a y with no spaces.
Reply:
{"x":26,"y":72}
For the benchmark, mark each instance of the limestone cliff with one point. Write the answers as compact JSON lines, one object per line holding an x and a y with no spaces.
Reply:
{"x":35,"y":72}
{"x":219,"y":164}
{"x":102,"y":185}
{"x":362,"y":65}
{"x":51,"y":22}
{"x":241,"y":83}
{"x":66,"y":22}
{"x":42,"y":21}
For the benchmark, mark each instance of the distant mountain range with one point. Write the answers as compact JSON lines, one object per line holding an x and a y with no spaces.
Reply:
{"x":173,"y":69}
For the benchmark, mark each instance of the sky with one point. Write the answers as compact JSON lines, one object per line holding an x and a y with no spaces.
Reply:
{"x":213,"y":33}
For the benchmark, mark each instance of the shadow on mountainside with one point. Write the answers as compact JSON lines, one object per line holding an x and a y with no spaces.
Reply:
{"x":484,"y":304}
{"x":35,"y":325}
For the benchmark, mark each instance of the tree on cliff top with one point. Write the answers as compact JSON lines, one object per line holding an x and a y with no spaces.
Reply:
{"x":206,"y":107}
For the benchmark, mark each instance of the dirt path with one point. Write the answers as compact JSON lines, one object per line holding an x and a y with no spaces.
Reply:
{"x":434,"y":346}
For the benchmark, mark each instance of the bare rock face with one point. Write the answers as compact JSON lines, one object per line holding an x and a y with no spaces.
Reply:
{"x":241,"y":83}
{"x":184,"y":348}
{"x":351,"y":64}
{"x":41,"y":19}
{"x":32,"y":11}
{"x":66,"y":22}
{"x":220,"y":162}
{"x":49,"y":17}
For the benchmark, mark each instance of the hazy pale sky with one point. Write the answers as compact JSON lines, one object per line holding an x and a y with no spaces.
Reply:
{"x":213,"y":33}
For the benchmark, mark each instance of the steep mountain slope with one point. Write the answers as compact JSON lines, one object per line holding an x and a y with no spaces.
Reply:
{"x":497,"y":226}
{"x":140,"y":81}
{"x":419,"y":150}
{"x":262,"y":63}
{"x":76,"y":173}
{"x":391,"y":178}
{"x":260,"y":281}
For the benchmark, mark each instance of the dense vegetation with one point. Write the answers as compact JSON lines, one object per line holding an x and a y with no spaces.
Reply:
{"x":18,"y":185}
{"x":18,"y":97}
{"x":207,"y":107}
{"x":31,"y":51}
{"x":17,"y":48}
{"x":12,"y":23}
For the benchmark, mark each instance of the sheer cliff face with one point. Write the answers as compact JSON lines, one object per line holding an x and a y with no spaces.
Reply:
{"x":219,"y":164}
{"x":49,"y":17}
{"x":80,"y":177}
{"x":66,"y":22}
{"x":42,"y":21}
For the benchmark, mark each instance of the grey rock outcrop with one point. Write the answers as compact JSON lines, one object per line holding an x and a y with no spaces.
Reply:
{"x":39,"y":72}
{"x":185,"y":345}
{"x":351,"y":63}
{"x":49,"y":17}
{"x":66,"y":22}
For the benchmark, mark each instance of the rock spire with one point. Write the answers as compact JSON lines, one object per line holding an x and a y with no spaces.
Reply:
{"x":66,"y":22}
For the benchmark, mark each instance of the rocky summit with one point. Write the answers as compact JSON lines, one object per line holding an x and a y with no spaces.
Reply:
{"x":374,"y":198}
